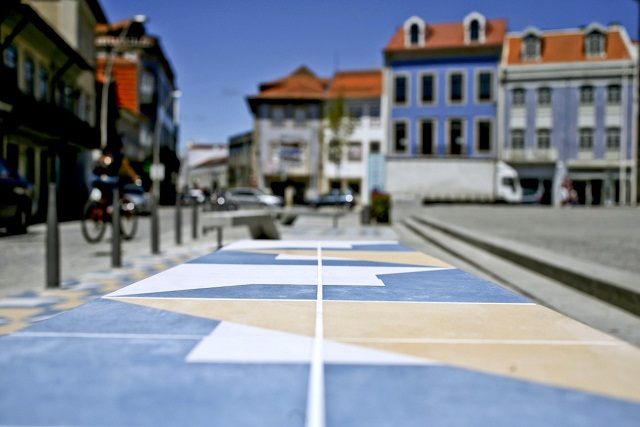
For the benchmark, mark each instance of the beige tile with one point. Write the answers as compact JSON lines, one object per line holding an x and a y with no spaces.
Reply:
{"x":296,"y":317}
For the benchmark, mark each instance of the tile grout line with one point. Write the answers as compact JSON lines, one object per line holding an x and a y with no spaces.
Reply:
{"x":315,"y":396}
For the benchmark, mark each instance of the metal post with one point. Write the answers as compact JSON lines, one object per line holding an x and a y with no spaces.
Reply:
{"x":53,"y":240}
{"x":194,"y":219}
{"x":155,"y":227}
{"x":116,"y":247}
{"x":178,"y":220}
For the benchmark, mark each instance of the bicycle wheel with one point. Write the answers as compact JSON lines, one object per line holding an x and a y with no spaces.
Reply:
{"x":128,"y":220}
{"x":94,"y":222}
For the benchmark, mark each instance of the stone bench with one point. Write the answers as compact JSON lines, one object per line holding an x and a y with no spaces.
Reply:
{"x":289,"y":215}
{"x":261,"y":223}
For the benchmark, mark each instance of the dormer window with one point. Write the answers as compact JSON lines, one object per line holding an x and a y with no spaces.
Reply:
{"x":474,"y":28}
{"x":414,"y":32}
{"x":531,"y":44}
{"x":595,"y":40}
{"x":595,"y":44}
{"x":474,"y":31}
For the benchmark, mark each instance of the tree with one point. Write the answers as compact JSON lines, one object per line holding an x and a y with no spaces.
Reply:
{"x":339,"y":125}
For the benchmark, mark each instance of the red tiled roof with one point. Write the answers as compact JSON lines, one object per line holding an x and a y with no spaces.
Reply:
{"x":356,"y":84}
{"x":450,"y":35}
{"x":567,"y":46}
{"x":301,"y":84}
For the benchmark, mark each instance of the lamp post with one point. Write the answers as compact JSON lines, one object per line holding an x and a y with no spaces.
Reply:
{"x":157,"y":170}
{"x":104,"y":104}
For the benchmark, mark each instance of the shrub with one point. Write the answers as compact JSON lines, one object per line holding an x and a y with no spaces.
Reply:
{"x":381,"y":207}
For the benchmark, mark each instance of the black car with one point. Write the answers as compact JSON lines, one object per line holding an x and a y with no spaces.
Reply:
{"x":16,"y":200}
{"x":334,"y":198}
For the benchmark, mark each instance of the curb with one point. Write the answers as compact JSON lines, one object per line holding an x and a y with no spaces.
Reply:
{"x":616,"y":287}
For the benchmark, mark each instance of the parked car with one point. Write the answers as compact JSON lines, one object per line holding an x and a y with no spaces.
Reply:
{"x":247,"y":198}
{"x":16,"y":200}
{"x":194,"y":195}
{"x":334,"y":198}
{"x":140,"y":198}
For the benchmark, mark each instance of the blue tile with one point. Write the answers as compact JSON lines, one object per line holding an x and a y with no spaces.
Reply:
{"x":376,"y":396}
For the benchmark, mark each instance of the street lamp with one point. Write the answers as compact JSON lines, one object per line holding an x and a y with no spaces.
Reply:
{"x":141,"y":19}
{"x":157,"y":170}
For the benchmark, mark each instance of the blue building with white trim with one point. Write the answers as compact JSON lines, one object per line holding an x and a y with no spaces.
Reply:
{"x":441,"y":87}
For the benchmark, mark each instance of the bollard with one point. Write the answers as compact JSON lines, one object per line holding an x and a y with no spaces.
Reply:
{"x":155,"y":227}
{"x":53,"y":240}
{"x":194,"y":219}
{"x":178,"y":220}
{"x":116,"y":247}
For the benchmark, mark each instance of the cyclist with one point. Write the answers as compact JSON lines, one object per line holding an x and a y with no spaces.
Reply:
{"x":106,"y":171}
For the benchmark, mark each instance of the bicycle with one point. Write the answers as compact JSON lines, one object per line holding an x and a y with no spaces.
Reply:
{"x":97,"y":212}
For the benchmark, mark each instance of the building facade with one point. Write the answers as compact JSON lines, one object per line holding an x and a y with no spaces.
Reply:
{"x":206,"y":167}
{"x":441,"y":85}
{"x":361,"y":92}
{"x":287,"y":125}
{"x":146,"y":106}
{"x":568,"y":106}
{"x":47,"y":96}
{"x":241,"y":168}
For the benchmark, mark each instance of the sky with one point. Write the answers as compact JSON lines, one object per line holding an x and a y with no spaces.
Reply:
{"x":222,"y":50}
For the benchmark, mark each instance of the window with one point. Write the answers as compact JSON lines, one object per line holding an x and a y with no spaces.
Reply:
{"x":586,"y":139}
{"x":335,"y":151}
{"x":517,"y":97}
{"x":10,"y":60}
{"x":543,"y":139}
{"x":594,"y":43}
{"x":277,"y":115}
{"x":43,"y":84}
{"x":414,"y":34}
{"x":374,"y":113}
{"x":614,"y":94}
{"x":29,"y":76}
{"x":374,"y":147}
{"x":456,"y":142}
{"x":356,"y":111}
{"x":474,"y":28}
{"x":517,"y":139}
{"x":586,"y":95}
{"x":485,"y":86}
{"x":531,"y":48}
{"x":544,"y":96}
{"x":484,"y":135}
{"x":613,"y":139}
{"x":300,"y":115}
{"x":355,"y":152}
{"x":427,"y":139}
{"x":456,"y":87}
{"x":147,"y":87}
{"x":474,"y":31}
{"x":400,"y":137}
{"x":427,"y":89}
{"x":400,"y":90}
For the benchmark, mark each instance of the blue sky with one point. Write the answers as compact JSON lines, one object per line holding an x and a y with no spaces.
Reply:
{"x":221,"y":50}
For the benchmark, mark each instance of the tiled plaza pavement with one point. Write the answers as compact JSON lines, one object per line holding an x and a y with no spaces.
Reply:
{"x":316,"y":332}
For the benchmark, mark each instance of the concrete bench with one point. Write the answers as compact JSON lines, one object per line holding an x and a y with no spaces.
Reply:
{"x":261,"y":223}
{"x":289,"y":215}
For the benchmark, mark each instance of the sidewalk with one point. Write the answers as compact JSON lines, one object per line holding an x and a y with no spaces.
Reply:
{"x":21,"y":310}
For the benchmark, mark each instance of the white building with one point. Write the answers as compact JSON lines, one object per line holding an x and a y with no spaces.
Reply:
{"x":205,"y":166}
{"x":361,"y":91}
